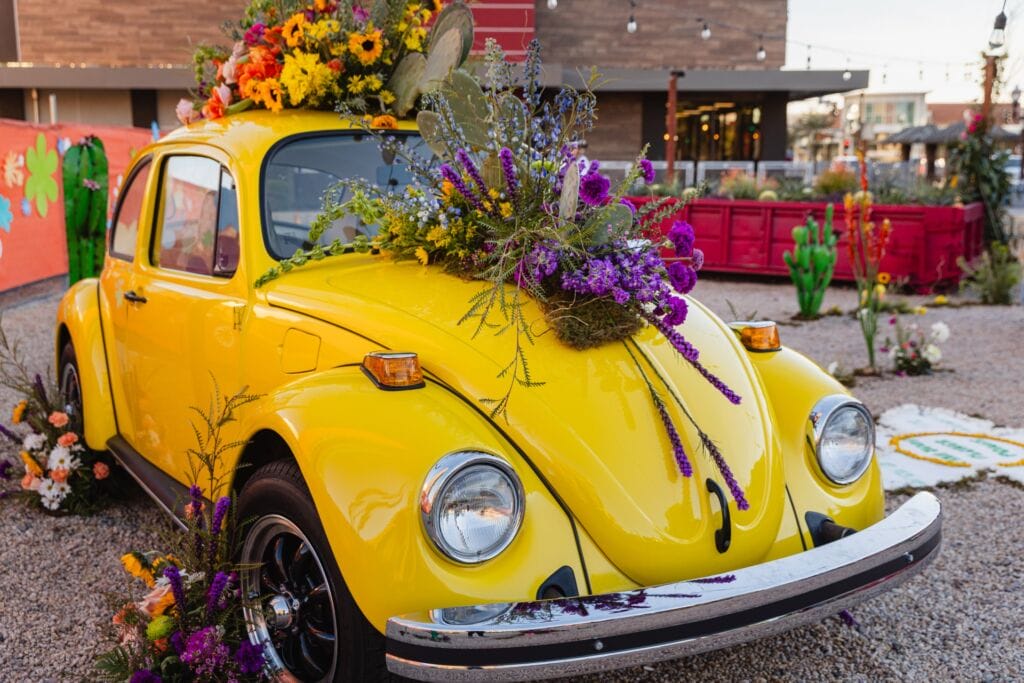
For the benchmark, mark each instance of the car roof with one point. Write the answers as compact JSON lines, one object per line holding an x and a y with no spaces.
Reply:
{"x":251,"y":133}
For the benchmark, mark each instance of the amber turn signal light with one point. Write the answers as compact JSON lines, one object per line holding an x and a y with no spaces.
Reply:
{"x":760,"y":335}
{"x":393,"y":370}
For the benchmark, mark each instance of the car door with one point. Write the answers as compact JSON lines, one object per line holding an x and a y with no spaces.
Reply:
{"x":132,"y":213}
{"x":183,"y":330}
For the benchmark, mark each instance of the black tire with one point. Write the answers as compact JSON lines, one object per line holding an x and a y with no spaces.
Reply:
{"x":274,"y":503}
{"x":70,"y":385}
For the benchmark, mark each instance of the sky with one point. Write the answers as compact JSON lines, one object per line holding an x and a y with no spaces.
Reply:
{"x":911,"y":41}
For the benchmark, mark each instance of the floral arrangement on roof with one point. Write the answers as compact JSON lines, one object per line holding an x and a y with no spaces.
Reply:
{"x":512,"y":205}
{"x":375,"y":59}
{"x":55,"y":468}
{"x":188,"y":624}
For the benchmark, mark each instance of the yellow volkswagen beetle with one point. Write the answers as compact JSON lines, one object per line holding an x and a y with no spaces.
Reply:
{"x":396,"y":525}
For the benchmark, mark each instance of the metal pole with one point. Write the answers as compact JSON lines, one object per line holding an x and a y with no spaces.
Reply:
{"x":671,"y":128}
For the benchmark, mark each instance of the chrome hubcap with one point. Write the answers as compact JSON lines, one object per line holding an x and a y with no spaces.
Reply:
{"x":291,"y":613}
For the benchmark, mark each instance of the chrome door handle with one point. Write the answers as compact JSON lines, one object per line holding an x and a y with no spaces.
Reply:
{"x":130,"y":295}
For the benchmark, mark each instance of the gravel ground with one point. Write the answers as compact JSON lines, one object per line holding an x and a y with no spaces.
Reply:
{"x":960,"y":621}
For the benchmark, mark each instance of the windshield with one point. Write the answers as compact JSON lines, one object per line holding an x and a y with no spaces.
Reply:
{"x":299,"y":171}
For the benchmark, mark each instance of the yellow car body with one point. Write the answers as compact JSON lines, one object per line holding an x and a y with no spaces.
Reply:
{"x":603,"y":495}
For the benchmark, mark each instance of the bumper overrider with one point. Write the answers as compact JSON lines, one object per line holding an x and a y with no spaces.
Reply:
{"x":569,"y":636}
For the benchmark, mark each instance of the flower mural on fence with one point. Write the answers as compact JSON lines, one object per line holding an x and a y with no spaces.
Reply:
{"x":41,"y":186}
{"x":6,"y":217}
{"x":14,"y":169}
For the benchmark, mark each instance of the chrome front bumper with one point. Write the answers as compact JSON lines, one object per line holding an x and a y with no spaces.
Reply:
{"x":570,"y":636}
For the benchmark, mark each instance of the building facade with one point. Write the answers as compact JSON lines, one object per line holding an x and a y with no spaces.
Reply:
{"x":122,"y":62}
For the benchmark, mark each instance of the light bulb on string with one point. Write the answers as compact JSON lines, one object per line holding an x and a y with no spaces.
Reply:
{"x":705,"y":32}
{"x":885,"y":75}
{"x":808,"y":57}
{"x":847,"y":74}
{"x":920,"y":72}
{"x":552,"y":4}
{"x":631,"y":24}
{"x":760,"y":55}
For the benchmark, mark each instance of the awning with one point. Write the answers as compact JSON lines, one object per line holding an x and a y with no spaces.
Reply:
{"x":89,"y":77}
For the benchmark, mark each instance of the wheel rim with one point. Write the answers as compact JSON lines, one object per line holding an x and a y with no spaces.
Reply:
{"x":290,"y":612}
{"x":71,"y":393}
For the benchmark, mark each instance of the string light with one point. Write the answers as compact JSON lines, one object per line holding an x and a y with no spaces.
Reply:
{"x":885,"y":68}
{"x":552,"y":4}
{"x":847,"y":74}
{"x":631,"y":24}
{"x":705,"y":32}
{"x":761,"y":55}
{"x":808,"y":57}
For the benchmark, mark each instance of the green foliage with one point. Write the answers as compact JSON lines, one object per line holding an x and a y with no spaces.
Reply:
{"x":835,"y":182}
{"x":922,"y":192}
{"x":768,"y":196}
{"x":738,"y":185}
{"x":980,"y":176}
{"x":85,"y":207}
{"x":811,"y":262}
{"x":993,"y":275}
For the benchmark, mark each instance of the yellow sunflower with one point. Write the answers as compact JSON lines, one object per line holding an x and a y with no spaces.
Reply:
{"x":31,"y":466}
{"x":18,"y":414}
{"x":366,"y":47}
{"x":292,"y":29}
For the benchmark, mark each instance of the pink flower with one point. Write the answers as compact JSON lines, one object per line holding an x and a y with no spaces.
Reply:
{"x":186,"y":112}
{"x":29,"y":483}
{"x":224,"y":92}
{"x":58,"y":419}
{"x":67,"y":439}
{"x":100,"y":470}
{"x":230,"y":67}
{"x":59,"y":475}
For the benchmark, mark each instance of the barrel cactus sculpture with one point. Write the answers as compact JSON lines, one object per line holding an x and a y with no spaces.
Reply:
{"x":812,"y":262}
{"x":85,"y":207}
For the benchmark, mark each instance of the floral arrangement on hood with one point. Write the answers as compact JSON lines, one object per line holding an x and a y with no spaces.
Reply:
{"x":365,"y":57}
{"x":512,"y":205}
{"x":55,"y":468}
{"x":188,"y":624}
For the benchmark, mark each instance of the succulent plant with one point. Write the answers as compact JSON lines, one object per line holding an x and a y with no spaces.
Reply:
{"x":85,"y":207}
{"x":450,"y":42}
{"x":812,"y":261}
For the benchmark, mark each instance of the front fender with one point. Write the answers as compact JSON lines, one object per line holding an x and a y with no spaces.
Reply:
{"x":794,"y":384}
{"x":364,"y":454}
{"x":78,"y":318}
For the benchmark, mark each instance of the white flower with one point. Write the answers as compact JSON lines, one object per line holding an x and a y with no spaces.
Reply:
{"x":50,"y":503}
{"x":893,"y":352}
{"x":33,"y":442}
{"x":52,"y":493}
{"x":940,"y":332}
{"x":832,"y":367}
{"x":932,"y":354}
{"x":61,"y":459}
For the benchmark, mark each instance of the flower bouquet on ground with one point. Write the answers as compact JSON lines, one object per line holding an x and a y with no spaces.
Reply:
{"x":188,"y":625}
{"x":55,"y":469}
{"x":374,"y":58}
{"x":913,"y":351}
{"x":510,"y":204}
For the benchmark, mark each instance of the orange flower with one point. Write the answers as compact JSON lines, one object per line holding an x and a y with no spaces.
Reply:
{"x":59,"y":475}
{"x":262,"y":65}
{"x":214,"y":107}
{"x":336,"y":66}
{"x":384,"y":121}
{"x":157,"y":601}
{"x":58,"y":419}
{"x":292,"y":29}
{"x":100,"y":470}
{"x":29,"y":483}
{"x":884,"y":278}
{"x":67,"y":439}
{"x":18,"y":414}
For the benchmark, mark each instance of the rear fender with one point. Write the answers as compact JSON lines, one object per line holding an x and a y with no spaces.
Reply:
{"x":78,"y":319}
{"x":794,"y":383}
{"x":365,"y":453}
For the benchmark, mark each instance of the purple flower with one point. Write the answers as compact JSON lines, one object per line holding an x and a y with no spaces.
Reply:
{"x":676,"y":313}
{"x":453,"y":177}
{"x":145,"y":676}
{"x":717,"y":383}
{"x":219,"y":512}
{"x":173,"y":576}
{"x":723,"y":468}
{"x":10,"y":435}
{"x":682,"y":237}
{"x":682,"y":277}
{"x":217,"y":585}
{"x":678,"y":342}
{"x":541,"y":262}
{"x":628,"y":204}
{"x":5,"y":469}
{"x":249,"y":658}
{"x":647,"y":171}
{"x":848,"y":618}
{"x":698,"y":259}
{"x":673,"y":436}
{"x":178,"y":642}
{"x":360,"y":15}
{"x":594,"y":189}
{"x":471,"y":169}
{"x":254,"y":34}
{"x":598,"y":277}
{"x":205,"y":654}
{"x":508,"y":168}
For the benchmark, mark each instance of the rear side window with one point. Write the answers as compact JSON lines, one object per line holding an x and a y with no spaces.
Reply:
{"x":126,"y":223}
{"x":198,"y":222}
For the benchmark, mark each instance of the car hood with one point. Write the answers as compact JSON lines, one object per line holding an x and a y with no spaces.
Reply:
{"x":591,"y":428}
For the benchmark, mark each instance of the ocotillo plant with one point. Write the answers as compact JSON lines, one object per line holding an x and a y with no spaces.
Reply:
{"x":812,"y":262}
{"x":85,"y":207}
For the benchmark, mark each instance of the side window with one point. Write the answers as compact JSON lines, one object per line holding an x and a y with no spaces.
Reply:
{"x":126,"y":223}
{"x":198,"y":222}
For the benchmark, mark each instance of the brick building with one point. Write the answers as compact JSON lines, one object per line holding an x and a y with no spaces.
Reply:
{"x":126,"y":62}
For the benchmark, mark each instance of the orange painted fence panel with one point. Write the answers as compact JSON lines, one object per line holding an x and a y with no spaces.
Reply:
{"x":33,"y":243}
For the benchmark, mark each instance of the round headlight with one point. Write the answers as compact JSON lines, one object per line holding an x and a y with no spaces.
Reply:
{"x":844,"y":438}
{"x":472,"y":506}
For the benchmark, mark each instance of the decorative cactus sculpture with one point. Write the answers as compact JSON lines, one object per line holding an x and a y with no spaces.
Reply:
{"x":450,"y":42}
{"x":812,"y":262}
{"x":85,"y":207}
